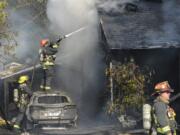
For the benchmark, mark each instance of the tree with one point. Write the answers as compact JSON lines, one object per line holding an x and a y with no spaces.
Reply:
{"x":7,"y":40}
{"x":3,"y":19}
{"x":8,"y":35}
{"x":130,"y":83}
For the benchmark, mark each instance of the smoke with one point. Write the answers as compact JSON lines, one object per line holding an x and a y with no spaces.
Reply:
{"x":24,"y":23}
{"x":170,"y":12}
{"x":81,"y":71}
{"x":80,"y":57}
{"x":113,"y":5}
{"x":168,"y":33}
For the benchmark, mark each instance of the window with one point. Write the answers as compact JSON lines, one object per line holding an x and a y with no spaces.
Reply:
{"x":52,"y":99}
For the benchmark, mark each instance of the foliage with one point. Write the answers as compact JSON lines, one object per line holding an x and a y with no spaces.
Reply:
{"x":36,"y":9}
{"x":38,"y":4}
{"x":129,"y":86}
{"x":3,"y":14}
{"x":30,"y":1}
{"x":7,"y":41}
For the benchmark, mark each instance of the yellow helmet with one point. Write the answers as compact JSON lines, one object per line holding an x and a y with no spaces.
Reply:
{"x":23,"y":78}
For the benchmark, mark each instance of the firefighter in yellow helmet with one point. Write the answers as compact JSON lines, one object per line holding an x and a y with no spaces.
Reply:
{"x":163,"y":115}
{"x":47,"y":54}
{"x":22,"y":96}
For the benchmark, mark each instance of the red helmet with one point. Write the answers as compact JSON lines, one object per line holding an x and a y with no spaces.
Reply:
{"x":162,"y":87}
{"x":44,"y":42}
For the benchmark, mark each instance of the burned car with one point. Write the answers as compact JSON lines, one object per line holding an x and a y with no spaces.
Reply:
{"x":51,"y":109}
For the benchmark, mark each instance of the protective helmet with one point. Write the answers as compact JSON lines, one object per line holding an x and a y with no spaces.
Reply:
{"x":44,"y":42}
{"x":162,"y":87}
{"x":23,"y":78}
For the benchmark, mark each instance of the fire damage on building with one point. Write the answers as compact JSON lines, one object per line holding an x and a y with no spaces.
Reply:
{"x":140,"y":32}
{"x":143,"y":33}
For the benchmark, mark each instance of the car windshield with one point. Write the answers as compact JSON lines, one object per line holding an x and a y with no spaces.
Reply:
{"x":52,"y":99}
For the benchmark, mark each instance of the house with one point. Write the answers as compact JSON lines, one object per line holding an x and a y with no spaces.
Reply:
{"x":149,"y":32}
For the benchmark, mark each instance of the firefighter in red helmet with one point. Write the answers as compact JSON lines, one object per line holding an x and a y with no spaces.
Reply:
{"x":44,"y":42}
{"x":47,"y":54}
{"x":163,"y":115}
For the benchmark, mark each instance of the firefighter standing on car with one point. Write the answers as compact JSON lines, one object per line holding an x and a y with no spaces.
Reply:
{"x":47,"y":55}
{"x":21,"y":97}
{"x":163,"y":115}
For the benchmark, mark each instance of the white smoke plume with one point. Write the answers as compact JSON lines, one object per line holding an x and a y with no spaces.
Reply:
{"x":67,"y":16}
{"x":79,"y":57}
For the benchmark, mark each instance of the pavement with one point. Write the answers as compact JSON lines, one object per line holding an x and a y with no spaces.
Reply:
{"x":97,"y":130}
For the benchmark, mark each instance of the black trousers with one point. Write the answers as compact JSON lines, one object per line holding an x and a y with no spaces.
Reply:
{"x":48,"y":74}
{"x":21,"y":115}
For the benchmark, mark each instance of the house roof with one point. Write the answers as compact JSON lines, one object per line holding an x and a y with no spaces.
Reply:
{"x":154,"y":25}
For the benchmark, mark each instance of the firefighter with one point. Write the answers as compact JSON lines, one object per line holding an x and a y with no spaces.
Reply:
{"x":163,"y":115}
{"x":22,"y":96}
{"x":47,"y":55}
